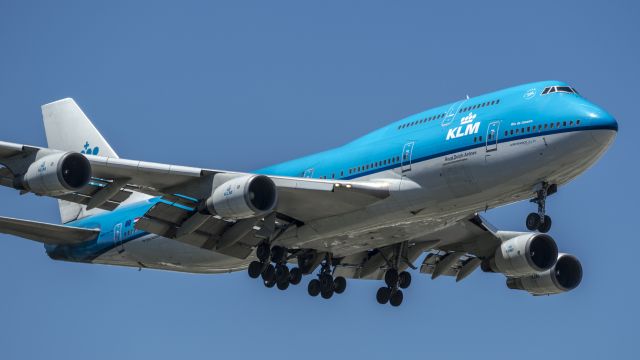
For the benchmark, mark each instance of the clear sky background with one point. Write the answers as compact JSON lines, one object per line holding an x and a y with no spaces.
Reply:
{"x":241,"y":85}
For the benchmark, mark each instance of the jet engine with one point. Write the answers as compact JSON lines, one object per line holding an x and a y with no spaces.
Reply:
{"x":522,"y":255}
{"x":243,"y":197}
{"x":565,"y":275}
{"x":56,"y":174}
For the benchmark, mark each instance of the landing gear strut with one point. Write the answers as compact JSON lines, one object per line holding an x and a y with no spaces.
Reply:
{"x":272,"y":275}
{"x":326,"y":285}
{"x":540,"y":221}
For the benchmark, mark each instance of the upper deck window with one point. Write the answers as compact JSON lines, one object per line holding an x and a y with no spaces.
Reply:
{"x":562,"y":89}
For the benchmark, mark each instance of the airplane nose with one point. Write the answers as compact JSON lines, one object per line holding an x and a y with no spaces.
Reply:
{"x":604,"y":124}
{"x":599,"y":118}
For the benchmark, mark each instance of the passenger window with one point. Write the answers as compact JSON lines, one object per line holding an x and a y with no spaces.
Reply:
{"x":571,"y":123}
{"x":479,"y":138}
{"x":506,"y":133}
{"x":558,"y":124}
{"x":512,"y":132}
{"x":528,"y":128}
{"x":545,"y":126}
{"x":564,"y":123}
{"x":517,"y":131}
{"x":577,"y":122}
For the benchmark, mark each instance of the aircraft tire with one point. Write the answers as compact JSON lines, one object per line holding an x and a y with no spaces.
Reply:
{"x":314,"y":287}
{"x":391,"y":277}
{"x":396,"y":298}
{"x":533,"y":221}
{"x":295,"y":276}
{"x":326,"y":294}
{"x":404,"y":279}
{"x":382,"y":296}
{"x":269,"y":273}
{"x":546,"y":225}
{"x":339,"y":284}
{"x":255,"y":268}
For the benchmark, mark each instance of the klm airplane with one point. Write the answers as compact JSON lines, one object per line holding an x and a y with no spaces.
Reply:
{"x":369,"y":209}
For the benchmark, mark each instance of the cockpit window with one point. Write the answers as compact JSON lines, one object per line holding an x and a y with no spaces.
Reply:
{"x":563,"y":89}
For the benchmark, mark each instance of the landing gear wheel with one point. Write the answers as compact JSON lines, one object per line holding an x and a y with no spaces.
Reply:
{"x":339,"y":284}
{"x":314,"y":287}
{"x":326,"y":294}
{"x":282,"y":273}
{"x":255,"y":268}
{"x":295,"y":276}
{"x":404,"y":279}
{"x":383,"y":295}
{"x":396,"y":298}
{"x":546,"y":225}
{"x":326,"y":282}
{"x":283,"y":285}
{"x":263,"y":252}
{"x":269,"y":273}
{"x":533,"y":221}
{"x":391,"y":277}
{"x":270,"y":283}
{"x":278,"y":254}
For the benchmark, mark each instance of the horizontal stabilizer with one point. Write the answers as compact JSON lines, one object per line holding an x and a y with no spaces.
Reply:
{"x":46,"y":233}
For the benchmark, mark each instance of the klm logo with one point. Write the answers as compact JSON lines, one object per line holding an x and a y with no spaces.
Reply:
{"x":88,"y":150}
{"x":467,"y":127}
{"x":229,"y":191}
{"x":42,"y":168}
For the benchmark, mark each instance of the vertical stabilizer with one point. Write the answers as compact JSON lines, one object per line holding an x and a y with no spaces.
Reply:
{"x":67,"y":128}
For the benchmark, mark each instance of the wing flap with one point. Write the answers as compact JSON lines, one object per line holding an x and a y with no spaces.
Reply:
{"x":47,"y":233}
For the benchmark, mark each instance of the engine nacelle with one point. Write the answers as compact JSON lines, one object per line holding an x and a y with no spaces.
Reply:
{"x":523,"y":255}
{"x":56,"y":174}
{"x":565,"y":275}
{"x":243,"y":197}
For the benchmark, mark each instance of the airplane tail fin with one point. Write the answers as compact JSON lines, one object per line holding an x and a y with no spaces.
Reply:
{"x":67,"y":128}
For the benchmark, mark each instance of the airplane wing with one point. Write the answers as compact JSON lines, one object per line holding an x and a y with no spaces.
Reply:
{"x":47,"y":233}
{"x":456,"y":250}
{"x":183,"y":189}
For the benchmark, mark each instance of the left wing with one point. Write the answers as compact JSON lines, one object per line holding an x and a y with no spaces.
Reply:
{"x":184,"y":190}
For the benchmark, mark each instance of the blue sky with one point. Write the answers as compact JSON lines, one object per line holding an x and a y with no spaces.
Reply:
{"x":241,"y":85}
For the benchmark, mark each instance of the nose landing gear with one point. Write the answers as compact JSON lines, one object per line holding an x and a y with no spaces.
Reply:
{"x":540,"y":221}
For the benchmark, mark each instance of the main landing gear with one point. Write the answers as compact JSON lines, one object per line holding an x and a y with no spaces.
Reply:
{"x":277,"y":274}
{"x":540,"y":221}
{"x":394,"y":279}
{"x":326,"y":285}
